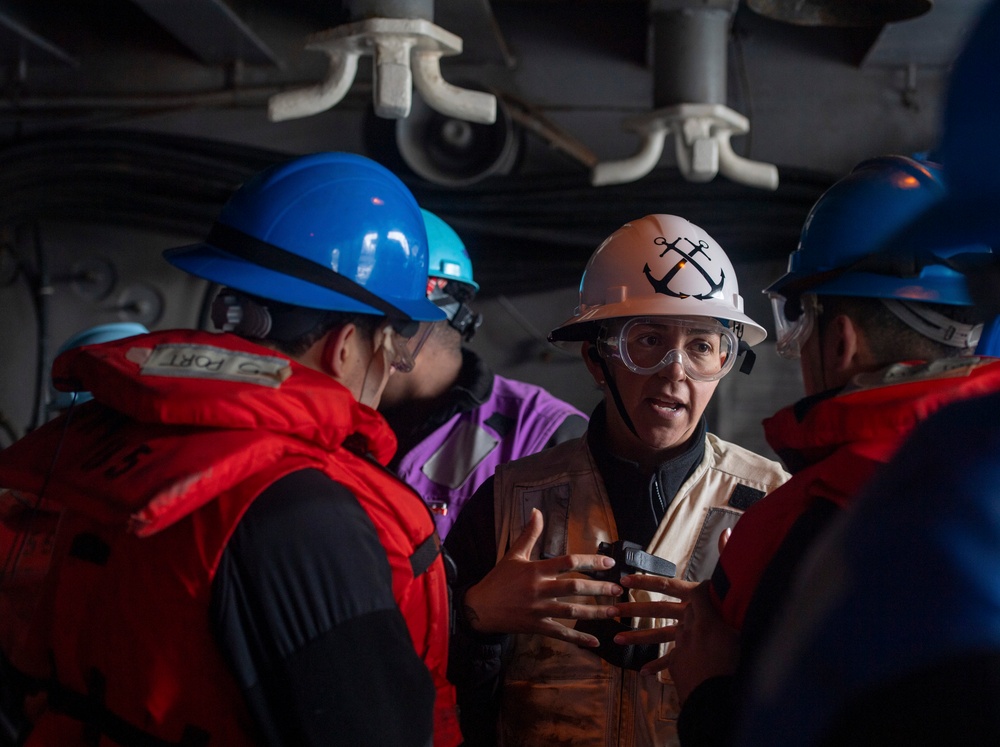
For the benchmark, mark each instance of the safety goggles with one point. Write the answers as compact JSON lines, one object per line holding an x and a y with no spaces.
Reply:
{"x":453,"y":297}
{"x":402,"y":343}
{"x":705,"y":349}
{"x":794,"y":320}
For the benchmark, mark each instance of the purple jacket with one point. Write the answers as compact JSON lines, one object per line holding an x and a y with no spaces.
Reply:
{"x":515,"y":420}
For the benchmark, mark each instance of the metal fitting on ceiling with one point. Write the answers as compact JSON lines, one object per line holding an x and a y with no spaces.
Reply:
{"x":690,"y":39}
{"x":407,"y":48}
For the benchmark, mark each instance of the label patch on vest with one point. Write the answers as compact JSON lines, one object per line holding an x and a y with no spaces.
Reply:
{"x":456,"y":459}
{"x":553,"y":502}
{"x":705,"y":556}
{"x":209,"y":362}
{"x":744,"y":496}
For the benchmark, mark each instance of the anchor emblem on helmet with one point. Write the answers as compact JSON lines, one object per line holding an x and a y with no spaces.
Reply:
{"x":663,"y":284}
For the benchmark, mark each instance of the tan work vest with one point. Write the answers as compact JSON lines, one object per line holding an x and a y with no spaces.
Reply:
{"x":558,"y":693}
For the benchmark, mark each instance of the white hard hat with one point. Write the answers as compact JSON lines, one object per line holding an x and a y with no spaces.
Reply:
{"x":659,"y":265}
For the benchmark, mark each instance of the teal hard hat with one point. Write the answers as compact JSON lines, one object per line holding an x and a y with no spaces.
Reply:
{"x":845,"y":246}
{"x":329,"y":231}
{"x":91,"y":336}
{"x":449,"y":283}
{"x":449,"y":259}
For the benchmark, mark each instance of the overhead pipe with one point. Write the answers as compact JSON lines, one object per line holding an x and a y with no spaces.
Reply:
{"x":690,"y":41}
{"x":407,"y":48}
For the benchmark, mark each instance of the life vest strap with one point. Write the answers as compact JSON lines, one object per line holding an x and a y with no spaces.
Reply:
{"x":90,"y":710}
{"x":425,"y":554}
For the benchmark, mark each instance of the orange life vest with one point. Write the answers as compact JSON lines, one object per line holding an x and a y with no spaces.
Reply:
{"x":148,"y":484}
{"x":833,"y":446}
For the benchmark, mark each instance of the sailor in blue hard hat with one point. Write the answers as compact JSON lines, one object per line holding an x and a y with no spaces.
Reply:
{"x":892,"y":633}
{"x":224,"y":551}
{"x":841,"y":253}
{"x":329,"y":233}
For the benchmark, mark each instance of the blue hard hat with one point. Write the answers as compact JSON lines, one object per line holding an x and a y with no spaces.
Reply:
{"x":449,"y":259}
{"x":332,"y":231}
{"x":845,"y":246}
{"x":989,"y":339}
{"x":90,"y":336}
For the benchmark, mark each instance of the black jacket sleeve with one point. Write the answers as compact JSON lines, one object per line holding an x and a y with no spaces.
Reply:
{"x":475,"y":660}
{"x":708,"y":718}
{"x":303,"y":609}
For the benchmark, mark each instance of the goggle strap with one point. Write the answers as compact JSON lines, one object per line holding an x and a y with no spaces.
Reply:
{"x":465,"y":321}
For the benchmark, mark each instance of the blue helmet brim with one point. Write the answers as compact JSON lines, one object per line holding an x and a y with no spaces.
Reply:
{"x":211,"y":263}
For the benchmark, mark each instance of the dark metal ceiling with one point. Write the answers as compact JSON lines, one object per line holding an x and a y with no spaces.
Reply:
{"x":64,"y":56}
{"x":526,"y":234}
{"x":269,"y":33}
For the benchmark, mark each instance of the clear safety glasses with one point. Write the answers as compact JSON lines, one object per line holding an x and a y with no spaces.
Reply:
{"x":705,"y":349}
{"x":794,"y":319}
{"x":402,"y":343}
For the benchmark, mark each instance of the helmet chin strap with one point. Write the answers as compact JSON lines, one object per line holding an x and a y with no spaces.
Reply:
{"x":749,"y":357}
{"x":613,"y":388}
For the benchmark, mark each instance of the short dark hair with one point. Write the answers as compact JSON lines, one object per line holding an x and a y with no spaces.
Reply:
{"x":290,"y":329}
{"x":367,"y":324}
{"x":891,"y":339}
{"x":449,"y":337}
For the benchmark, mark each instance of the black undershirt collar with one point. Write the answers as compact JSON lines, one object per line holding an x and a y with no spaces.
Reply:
{"x":635,"y":496}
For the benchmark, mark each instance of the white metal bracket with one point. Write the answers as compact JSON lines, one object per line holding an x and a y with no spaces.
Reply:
{"x":406,"y":52}
{"x":701,"y":138}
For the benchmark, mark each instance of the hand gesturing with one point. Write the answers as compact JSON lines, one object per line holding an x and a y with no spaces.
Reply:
{"x":521,"y":595}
